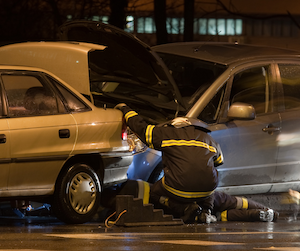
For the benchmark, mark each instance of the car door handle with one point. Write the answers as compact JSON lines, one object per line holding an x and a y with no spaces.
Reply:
{"x":2,"y":138}
{"x":64,"y":133}
{"x":270,"y":129}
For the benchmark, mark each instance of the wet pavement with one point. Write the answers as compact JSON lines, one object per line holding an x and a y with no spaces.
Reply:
{"x":47,"y":233}
{"x":39,"y":230}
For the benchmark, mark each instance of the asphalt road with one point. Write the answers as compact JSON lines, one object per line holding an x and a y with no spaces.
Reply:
{"x":47,"y":233}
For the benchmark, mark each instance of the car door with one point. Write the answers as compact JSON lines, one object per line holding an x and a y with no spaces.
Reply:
{"x":249,"y":146}
{"x":288,"y":163}
{"x":4,"y":148}
{"x":42,"y":132}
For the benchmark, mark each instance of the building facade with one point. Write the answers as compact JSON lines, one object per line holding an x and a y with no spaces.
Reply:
{"x":265,"y":22}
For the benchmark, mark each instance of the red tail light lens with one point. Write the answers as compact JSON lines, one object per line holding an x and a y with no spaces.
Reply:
{"x":124,"y":130}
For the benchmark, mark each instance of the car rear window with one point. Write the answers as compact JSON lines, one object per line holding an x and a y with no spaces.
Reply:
{"x":74,"y":103}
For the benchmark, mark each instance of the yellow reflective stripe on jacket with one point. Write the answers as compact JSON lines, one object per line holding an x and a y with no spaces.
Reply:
{"x":185,"y":194}
{"x":173,"y":142}
{"x":224,"y":216}
{"x":130,"y":114}
{"x":148,"y":135}
{"x":219,"y":160}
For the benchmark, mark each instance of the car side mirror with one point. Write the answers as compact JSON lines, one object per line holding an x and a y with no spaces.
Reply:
{"x":241,"y":111}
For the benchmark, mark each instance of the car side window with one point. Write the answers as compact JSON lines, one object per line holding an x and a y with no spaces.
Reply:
{"x":74,"y":104}
{"x":252,"y":87}
{"x":27,"y":96}
{"x":211,"y":112}
{"x":290,"y":79}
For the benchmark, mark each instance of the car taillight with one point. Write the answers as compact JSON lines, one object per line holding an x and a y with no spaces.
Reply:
{"x":124,"y":130}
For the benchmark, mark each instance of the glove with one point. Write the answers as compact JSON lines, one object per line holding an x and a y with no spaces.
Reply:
{"x":119,"y":106}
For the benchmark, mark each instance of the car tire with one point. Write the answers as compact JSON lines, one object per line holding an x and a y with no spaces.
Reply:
{"x":77,"y":195}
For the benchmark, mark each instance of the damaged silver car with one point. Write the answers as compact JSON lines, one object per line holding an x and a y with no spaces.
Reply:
{"x":249,"y":97}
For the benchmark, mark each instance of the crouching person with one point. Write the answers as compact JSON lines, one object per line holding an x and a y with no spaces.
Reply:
{"x":190,"y":156}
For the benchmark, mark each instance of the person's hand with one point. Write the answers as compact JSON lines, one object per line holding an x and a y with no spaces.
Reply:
{"x":119,"y":106}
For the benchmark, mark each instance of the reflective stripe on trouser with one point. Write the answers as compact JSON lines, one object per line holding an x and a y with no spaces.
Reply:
{"x":240,"y":215}
{"x":241,"y":203}
{"x":224,"y":216}
{"x":143,"y":191}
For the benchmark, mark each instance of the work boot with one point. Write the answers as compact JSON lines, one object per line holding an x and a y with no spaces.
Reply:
{"x":268,"y":215}
{"x":206,"y":217}
{"x":191,"y":212}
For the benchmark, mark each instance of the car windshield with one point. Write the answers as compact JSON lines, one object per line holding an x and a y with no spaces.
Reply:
{"x":192,"y":76}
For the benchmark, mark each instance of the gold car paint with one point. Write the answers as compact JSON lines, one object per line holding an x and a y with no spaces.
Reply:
{"x":38,"y":177}
{"x":99,"y":131}
{"x":33,"y":179}
{"x":37,"y":151}
{"x":4,"y":155}
{"x":38,"y":169}
{"x":102,"y":134}
{"x":67,"y":60}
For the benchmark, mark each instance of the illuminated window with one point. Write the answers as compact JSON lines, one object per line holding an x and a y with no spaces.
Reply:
{"x":96,"y":18}
{"x":129,"y":24}
{"x":212,"y":26}
{"x":202,"y":26}
{"x":145,"y":25}
{"x":175,"y":25}
{"x":220,"y":26}
{"x":149,"y":25}
{"x":104,"y":19}
{"x":230,"y":27}
{"x":238,"y":27}
{"x":140,"y":25}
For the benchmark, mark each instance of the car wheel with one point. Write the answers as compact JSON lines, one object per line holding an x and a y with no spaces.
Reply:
{"x":157,"y":173}
{"x":77,"y":195}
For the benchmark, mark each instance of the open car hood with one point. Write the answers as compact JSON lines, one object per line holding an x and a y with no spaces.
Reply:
{"x":125,"y":55}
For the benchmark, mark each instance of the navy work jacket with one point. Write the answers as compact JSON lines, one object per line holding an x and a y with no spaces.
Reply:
{"x":189,"y":155}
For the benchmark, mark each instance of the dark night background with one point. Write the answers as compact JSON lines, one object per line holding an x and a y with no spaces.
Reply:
{"x":38,"y":20}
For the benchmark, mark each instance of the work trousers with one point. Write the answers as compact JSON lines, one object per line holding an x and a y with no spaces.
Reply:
{"x":232,"y":208}
{"x":175,"y":205}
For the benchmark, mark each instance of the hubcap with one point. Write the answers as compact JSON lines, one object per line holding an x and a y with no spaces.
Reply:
{"x":82,"y":193}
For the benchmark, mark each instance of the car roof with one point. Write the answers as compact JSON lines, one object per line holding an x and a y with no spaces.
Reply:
{"x":223,"y":53}
{"x":70,"y":56}
{"x":9,"y":67}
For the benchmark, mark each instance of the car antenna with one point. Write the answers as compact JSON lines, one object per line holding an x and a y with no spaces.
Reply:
{"x":196,"y":49}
